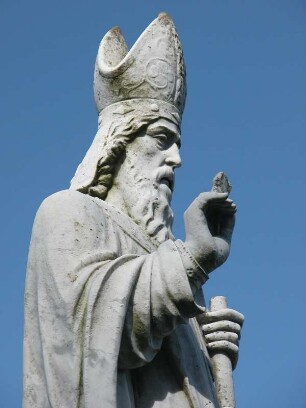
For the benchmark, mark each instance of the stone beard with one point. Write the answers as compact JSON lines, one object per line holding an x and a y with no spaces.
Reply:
{"x":152,"y":211}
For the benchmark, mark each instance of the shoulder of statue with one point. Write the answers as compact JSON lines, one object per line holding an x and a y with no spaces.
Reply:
{"x":71,"y":204}
{"x":66,"y":198}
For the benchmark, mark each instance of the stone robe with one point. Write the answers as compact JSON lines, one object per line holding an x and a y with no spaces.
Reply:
{"x":109,"y":317}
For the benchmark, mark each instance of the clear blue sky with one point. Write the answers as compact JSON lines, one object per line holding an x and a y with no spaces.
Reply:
{"x":245,"y":115}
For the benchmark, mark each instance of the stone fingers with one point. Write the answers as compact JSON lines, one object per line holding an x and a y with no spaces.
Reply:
{"x":208,"y":198}
{"x":223,"y":325}
{"x":224,"y":346}
{"x":224,"y":314}
{"x":222,"y":336}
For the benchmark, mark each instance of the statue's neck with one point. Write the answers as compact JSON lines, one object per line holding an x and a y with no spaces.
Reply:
{"x":116,"y":199}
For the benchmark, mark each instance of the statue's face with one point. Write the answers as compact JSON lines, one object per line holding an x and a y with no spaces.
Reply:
{"x":145,"y":180}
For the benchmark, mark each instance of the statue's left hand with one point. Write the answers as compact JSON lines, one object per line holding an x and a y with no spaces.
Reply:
{"x":222,"y":330}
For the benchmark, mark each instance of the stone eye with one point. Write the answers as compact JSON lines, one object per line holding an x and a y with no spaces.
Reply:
{"x":162,"y":138}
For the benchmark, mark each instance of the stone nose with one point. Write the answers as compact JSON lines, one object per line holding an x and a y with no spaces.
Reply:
{"x":173,"y":157}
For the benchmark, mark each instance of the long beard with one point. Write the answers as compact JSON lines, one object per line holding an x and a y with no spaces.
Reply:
{"x":153,"y":213}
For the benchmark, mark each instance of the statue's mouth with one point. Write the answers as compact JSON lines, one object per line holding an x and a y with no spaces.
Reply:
{"x":168,"y":179}
{"x":165,"y":177}
{"x":167,"y":182}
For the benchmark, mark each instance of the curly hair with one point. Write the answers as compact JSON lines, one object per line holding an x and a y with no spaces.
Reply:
{"x":121,"y":133}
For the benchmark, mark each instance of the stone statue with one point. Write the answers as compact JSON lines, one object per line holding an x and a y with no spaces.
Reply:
{"x":113,"y":302}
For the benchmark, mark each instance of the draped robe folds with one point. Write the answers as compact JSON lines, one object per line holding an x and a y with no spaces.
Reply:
{"x":109,"y":317}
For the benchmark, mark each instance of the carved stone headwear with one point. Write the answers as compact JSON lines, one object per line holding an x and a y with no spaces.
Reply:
{"x":153,"y":68}
{"x":146,"y":82}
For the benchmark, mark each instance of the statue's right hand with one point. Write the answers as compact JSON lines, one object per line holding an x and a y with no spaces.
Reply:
{"x":209,"y":223}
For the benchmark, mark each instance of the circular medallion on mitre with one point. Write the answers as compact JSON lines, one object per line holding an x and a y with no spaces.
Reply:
{"x":159,"y":75}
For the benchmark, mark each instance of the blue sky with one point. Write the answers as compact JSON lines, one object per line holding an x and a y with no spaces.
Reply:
{"x":245,"y":115}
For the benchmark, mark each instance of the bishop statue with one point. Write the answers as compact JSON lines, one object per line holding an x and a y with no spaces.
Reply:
{"x":114,"y":309}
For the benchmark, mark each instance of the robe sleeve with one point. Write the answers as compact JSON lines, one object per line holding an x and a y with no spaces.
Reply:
{"x":115,"y":308}
{"x":161,"y":299}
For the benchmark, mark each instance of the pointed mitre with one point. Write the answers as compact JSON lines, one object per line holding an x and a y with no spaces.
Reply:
{"x":147,"y":81}
{"x":152,"y":69}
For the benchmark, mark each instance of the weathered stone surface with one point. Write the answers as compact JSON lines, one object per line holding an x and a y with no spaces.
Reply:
{"x":221,"y":183}
{"x":114,"y":310}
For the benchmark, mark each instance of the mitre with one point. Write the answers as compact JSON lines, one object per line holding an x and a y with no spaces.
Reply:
{"x":153,"y":68}
{"x":149,"y":79}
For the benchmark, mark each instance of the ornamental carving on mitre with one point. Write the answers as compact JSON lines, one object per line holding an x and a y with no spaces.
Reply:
{"x":152,"y":69}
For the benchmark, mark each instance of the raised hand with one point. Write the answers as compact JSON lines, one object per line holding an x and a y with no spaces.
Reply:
{"x":209,"y":224}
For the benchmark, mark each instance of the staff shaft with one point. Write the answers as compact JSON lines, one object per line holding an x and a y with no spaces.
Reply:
{"x":222,"y":366}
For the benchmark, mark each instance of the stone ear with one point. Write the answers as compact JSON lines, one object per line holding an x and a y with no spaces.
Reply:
{"x":112,"y":51}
